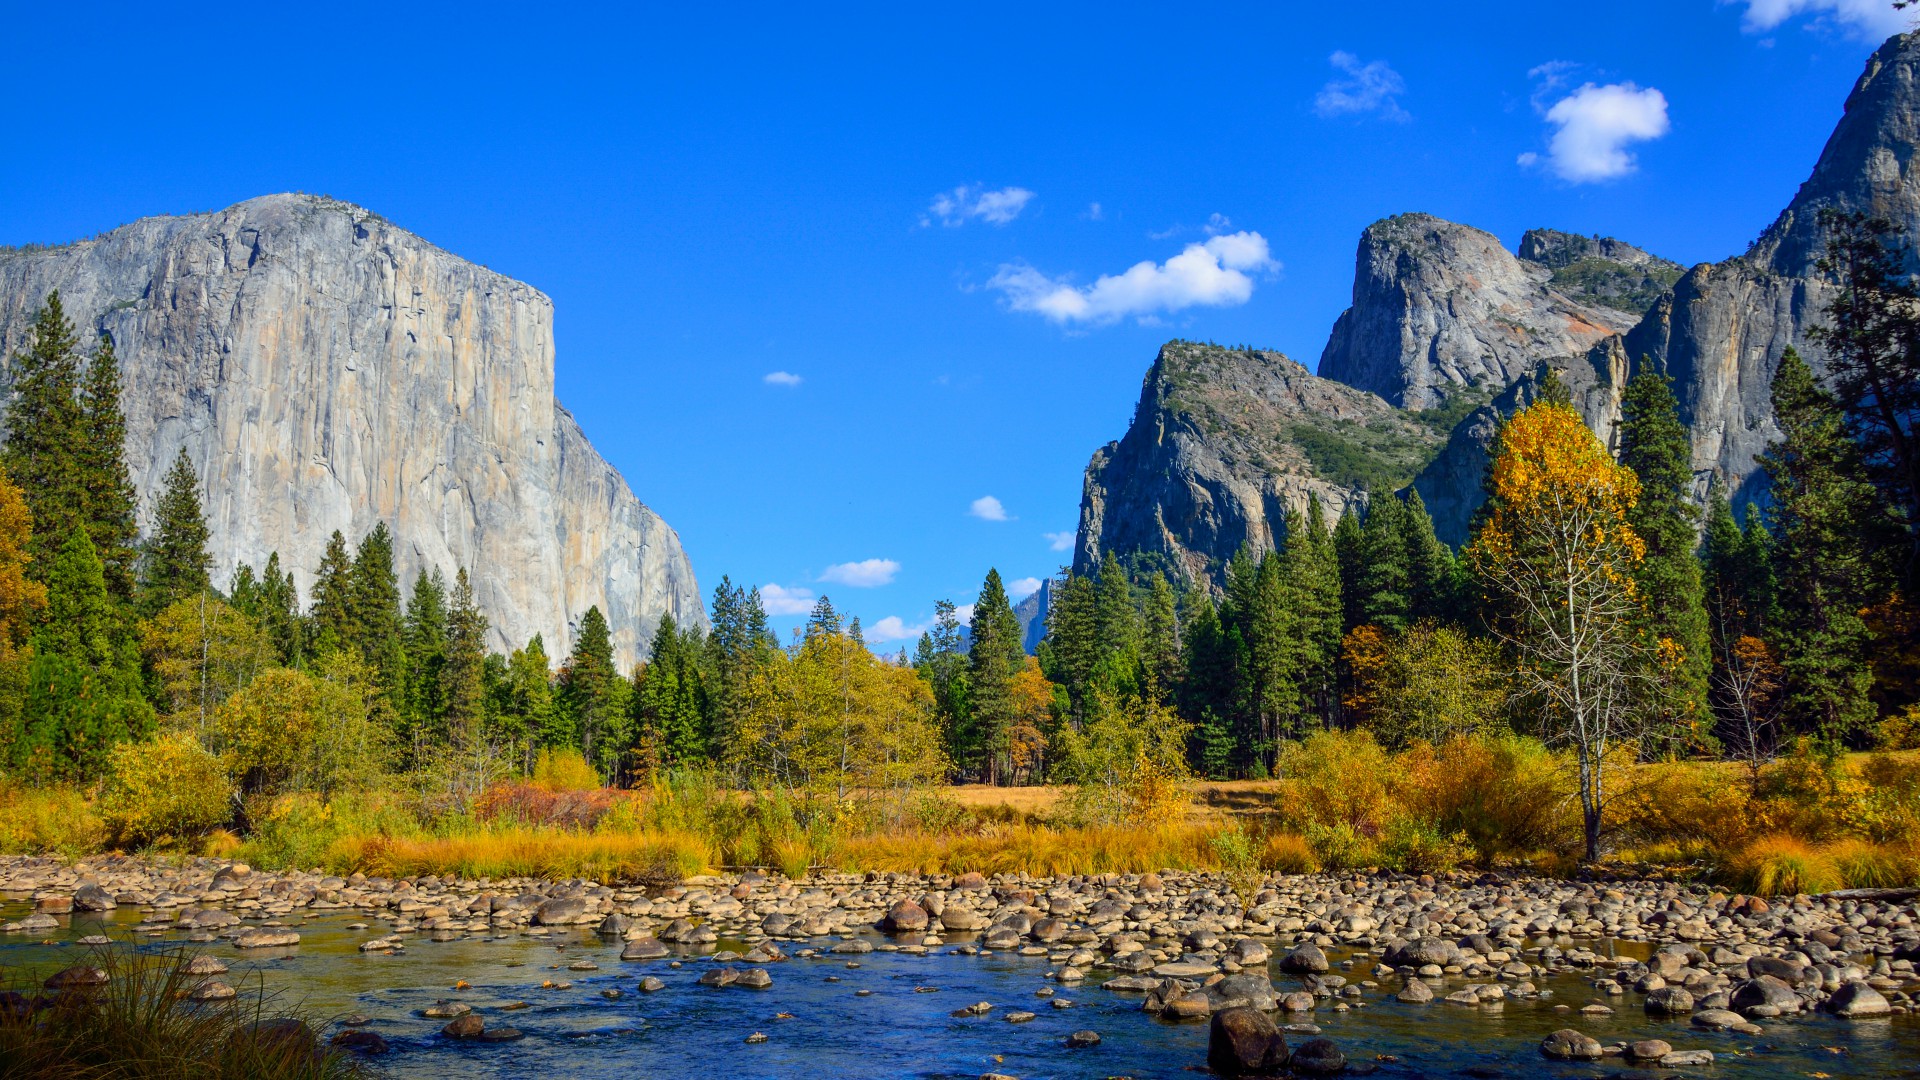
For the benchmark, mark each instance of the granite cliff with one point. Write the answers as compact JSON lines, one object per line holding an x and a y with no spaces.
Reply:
{"x":325,"y":369}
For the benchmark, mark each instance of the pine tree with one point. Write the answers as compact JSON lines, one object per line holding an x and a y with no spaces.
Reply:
{"x":1348,"y":549}
{"x":1654,"y":444}
{"x":332,"y":615}
{"x":823,"y":620}
{"x":1313,"y":574}
{"x":668,"y":693}
{"x":44,"y":433}
{"x":380,"y":625}
{"x":176,"y":561}
{"x":423,"y":716}
{"x":1430,"y":565}
{"x":740,"y":641}
{"x":1207,"y":691}
{"x":525,"y":706}
{"x":462,"y":682}
{"x":280,"y":612}
{"x":111,"y":501}
{"x":1831,"y":534}
{"x":1384,"y":582}
{"x":1160,"y":644}
{"x":990,"y":671}
{"x":81,"y":621}
{"x":941,"y":658}
{"x":1119,"y":626}
{"x":591,"y":693}
{"x":1072,"y":645}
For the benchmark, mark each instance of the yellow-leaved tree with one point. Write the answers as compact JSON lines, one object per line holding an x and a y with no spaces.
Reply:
{"x":1556,"y":556}
{"x":834,"y":719}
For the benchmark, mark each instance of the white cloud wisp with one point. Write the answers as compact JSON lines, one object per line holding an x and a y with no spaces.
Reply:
{"x":972,"y":202}
{"x":988,"y":508}
{"x":1595,"y":125}
{"x":1059,"y":541}
{"x":891,"y":628}
{"x":1367,"y":88}
{"x":1212,"y":273}
{"x":1021,"y":588}
{"x":865,"y":574}
{"x":780,"y":600}
{"x":1869,"y":20}
{"x":781,"y":378}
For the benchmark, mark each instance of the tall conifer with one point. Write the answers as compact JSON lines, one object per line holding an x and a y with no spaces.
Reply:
{"x":175,"y":567}
{"x":44,"y":432}
{"x":111,"y":501}
{"x":1654,"y":444}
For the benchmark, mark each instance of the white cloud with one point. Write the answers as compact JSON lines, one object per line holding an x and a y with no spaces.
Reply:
{"x":1213,"y":273}
{"x":781,"y":378}
{"x":1595,"y":125}
{"x":891,"y":628}
{"x":1022,"y":588}
{"x":1367,"y":88}
{"x":963,"y":614}
{"x":1868,"y":19}
{"x":865,"y":574}
{"x":988,"y":508}
{"x":780,"y":600}
{"x":972,"y":201}
{"x":1059,"y":541}
{"x":1094,"y":213}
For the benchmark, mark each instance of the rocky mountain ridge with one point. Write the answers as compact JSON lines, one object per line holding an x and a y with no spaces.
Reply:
{"x":325,"y":369}
{"x":1447,"y":324}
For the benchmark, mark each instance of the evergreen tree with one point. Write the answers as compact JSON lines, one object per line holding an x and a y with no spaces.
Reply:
{"x":280,"y":612}
{"x":1160,"y":644}
{"x":1384,"y":581}
{"x":1348,"y":549}
{"x":84,"y":694}
{"x":1872,"y":339}
{"x":990,"y":671}
{"x":462,"y":677}
{"x":379,"y":624}
{"x":332,"y":616}
{"x":1118,"y":626}
{"x":423,"y":716}
{"x":941,"y":658}
{"x":176,"y":562}
{"x":592,"y":692}
{"x":668,"y":698}
{"x":1430,"y":565}
{"x":1072,"y":646}
{"x":1831,"y":533}
{"x":1313,"y":575}
{"x":823,"y":620}
{"x":1654,"y":444}
{"x":102,"y":453}
{"x":524,"y":706}
{"x":1207,"y":690}
{"x":44,"y":434}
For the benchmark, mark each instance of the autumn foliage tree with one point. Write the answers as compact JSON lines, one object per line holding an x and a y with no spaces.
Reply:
{"x":1558,"y":557}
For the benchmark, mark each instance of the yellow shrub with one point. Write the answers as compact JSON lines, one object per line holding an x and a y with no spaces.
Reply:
{"x":1288,"y":853}
{"x":1508,"y":795}
{"x":1866,"y":865}
{"x":1783,"y":865}
{"x":166,"y":790}
{"x":564,"y":770}
{"x":1689,"y":806}
{"x":1338,"y":778}
{"x":47,"y":820}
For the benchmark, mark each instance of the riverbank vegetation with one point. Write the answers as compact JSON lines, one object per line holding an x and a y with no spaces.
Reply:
{"x":125,"y":1014}
{"x":1605,"y":673}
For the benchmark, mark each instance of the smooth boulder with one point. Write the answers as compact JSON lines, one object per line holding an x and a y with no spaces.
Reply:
{"x":1243,"y":1041}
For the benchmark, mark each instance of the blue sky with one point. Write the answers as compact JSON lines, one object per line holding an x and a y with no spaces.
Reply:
{"x":829,"y":281}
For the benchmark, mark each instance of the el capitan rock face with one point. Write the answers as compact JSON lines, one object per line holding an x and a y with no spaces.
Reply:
{"x":327,"y":370}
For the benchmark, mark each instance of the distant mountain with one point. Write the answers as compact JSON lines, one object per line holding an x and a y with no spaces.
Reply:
{"x":1032,"y":613}
{"x":1447,"y":333}
{"x":325,"y":369}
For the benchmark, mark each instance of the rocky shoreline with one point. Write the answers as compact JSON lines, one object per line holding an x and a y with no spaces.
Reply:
{"x":1309,"y":943}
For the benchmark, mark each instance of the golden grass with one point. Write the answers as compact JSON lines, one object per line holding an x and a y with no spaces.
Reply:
{"x":519,"y":851}
{"x":1035,"y":850}
{"x":1866,"y":865}
{"x":59,"y":820}
{"x":1783,"y":865}
{"x":1288,"y":853}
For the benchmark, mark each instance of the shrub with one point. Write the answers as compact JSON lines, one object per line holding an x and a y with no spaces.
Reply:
{"x":533,"y":804}
{"x":564,"y":770}
{"x":168,"y":790}
{"x":1783,"y":865}
{"x":1339,"y":847}
{"x":1508,"y":796}
{"x":1288,"y":853}
{"x":56,"y":820}
{"x":1336,"y":778}
{"x":1866,"y":865}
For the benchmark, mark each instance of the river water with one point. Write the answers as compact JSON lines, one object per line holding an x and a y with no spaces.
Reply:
{"x":901,"y":1026}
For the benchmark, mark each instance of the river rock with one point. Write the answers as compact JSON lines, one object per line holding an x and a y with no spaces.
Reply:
{"x":206,"y":965}
{"x":467,"y":1026}
{"x":905,"y":917}
{"x":211,"y":990}
{"x":1765,"y":992}
{"x":1686,"y":1059}
{"x":1649,"y":1049}
{"x":643,"y":949}
{"x":78,"y":976}
{"x":1856,"y":998}
{"x":1081,"y":1040}
{"x":93,"y":898}
{"x":562,"y":911}
{"x":1669,"y":1001}
{"x":1317,"y":1057}
{"x":360,"y":1042}
{"x":1304,"y":959}
{"x":265,"y":938}
{"x":1243,"y":1041}
{"x":1570,"y":1045}
{"x":1415,"y":992}
{"x":1252,"y":991}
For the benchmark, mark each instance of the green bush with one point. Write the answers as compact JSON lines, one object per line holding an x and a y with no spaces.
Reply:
{"x":164,"y":791}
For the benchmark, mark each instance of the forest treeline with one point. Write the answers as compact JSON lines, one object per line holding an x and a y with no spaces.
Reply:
{"x":1595,"y":606}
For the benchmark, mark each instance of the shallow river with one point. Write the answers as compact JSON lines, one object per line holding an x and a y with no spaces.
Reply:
{"x":898,"y":1030}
